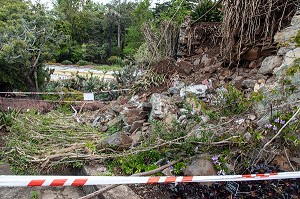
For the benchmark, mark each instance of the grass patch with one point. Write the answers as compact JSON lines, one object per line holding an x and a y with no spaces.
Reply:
{"x":107,"y":67}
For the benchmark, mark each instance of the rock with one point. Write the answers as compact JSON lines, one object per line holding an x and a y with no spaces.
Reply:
{"x":200,"y":167}
{"x":206,"y":61}
{"x":174,"y":91}
{"x":165,"y":93}
{"x":257,"y":87}
{"x":252,"y":54}
{"x":184,"y":67}
{"x":282,"y":162}
{"x":263,"y":121}
{"x":182,"y":118}
{"x":183,"y":111}
{"x":238,"y":78}
{"x":253,"y":72}
{"x":286,"y":34}
{"x":161,"y":106}
{"x":117,"y":193}
{"x":134,"y":101}
{"x":102,"y":128}
{"x":288,"y":61}
{"x":198,"y":90}
{"x":122,"y":100}
{"x":103,"y":119}
{"x":136,"y":138}
{"x":199,"y":51}
{"x":126,"y":128}
{"x":269,"y":64}
{"x":168,"y":172}
{"x":96,"y":122}
{"x":252,"y":117}
{"x":135,"y":125}
{"x":249,"y":83}
{"x":178,"y":84}
{"x":97,"y":169}
{"x":204,"y":118}
{"x":240,"y":121}
{"x":253,"y":64}
{"x":197,"y":62}
{"x":118,"y":140}
{"x":296,"y":160}
{"x":146,"y":106}
{"x":131,"y":115}
{"x":117,"y":108}
{"x":113,"y":122}
{"x":248,"y":136}
{"x":283,"y":50}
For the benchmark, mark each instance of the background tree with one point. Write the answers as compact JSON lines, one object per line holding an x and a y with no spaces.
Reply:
{"x":26,"y":31}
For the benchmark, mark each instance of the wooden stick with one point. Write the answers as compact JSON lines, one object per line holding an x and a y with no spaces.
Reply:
{"x":105,"y":189}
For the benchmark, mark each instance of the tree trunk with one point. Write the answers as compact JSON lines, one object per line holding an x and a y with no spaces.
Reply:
{"x":110,"y":40}
{"x":119,"y":34}
{"x":35,"y":71}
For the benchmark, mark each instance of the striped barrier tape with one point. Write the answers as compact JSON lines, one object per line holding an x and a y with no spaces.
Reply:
{"x":39,"y":93}
{"x":57,"y":93}
{"x":28,"y":181}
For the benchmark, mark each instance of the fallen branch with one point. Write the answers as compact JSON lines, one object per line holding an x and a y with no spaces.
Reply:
{"x":75,"y":115}
{"x":148,"y":173}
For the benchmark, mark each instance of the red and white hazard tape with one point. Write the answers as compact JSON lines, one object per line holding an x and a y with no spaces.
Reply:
{"x":39,"y":93}
{"x":57,"y":93}
{"x":17,"y":181}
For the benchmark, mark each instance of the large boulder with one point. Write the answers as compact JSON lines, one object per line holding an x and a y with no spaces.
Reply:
{"x":118,"y":140}
{"x":269,"y":64}
{"x":161,"y":106}
{"x":200,"y":167}
{"x":288,"y":61}
{"x":284,"y":38}
{"x":286,"y":34}
{"x":131,"y":115}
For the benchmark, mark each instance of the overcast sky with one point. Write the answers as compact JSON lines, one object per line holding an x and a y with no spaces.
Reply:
{"x":49,"y":4}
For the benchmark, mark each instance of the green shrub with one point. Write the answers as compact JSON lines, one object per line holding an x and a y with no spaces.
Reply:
{"x":6,"y":118}
{"x":234,"y":101}
{"x":141,"y":162}
{"x":67,"y":62}
{"x":82,"y":63}
{"x":214,"y":15}
{"x":143,"y":55}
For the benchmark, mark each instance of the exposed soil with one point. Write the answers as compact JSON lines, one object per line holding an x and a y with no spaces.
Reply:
{"x":46,"y":106}
{"x":150,"y":191}
{"x":24,"y":104}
